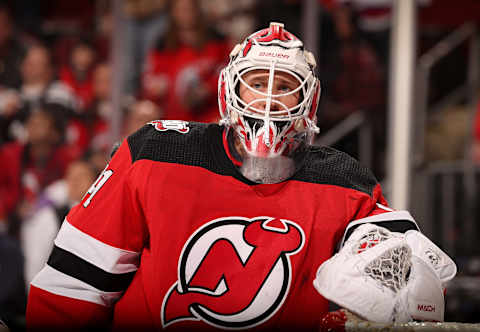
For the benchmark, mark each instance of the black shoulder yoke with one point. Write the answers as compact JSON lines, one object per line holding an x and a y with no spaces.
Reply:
{"x":202,"y":146}
{"x":190,"y":147}
{"x":325,"y":165}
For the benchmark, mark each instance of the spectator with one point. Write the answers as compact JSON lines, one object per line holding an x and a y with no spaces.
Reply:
{"x":38,"y":87}
{"x":139,"y":114}
{"x":182,"y":71}
{"x":363,"y":29}
{"x":368,"y":19}
{"x":94,"y":122}
{"x":97,"y":116}
{"x":371,"y":19}
{"x":38,"y":81}
{"x":103,"y":34}
{"x":78,"y":73}
{"x":358,"y":85}
{"x":79,"y":177}
{"x":29,"y":167}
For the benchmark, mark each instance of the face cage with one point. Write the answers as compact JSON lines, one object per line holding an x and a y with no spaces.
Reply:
{"x":267,"y":170}
{"x":284,"y":114}
{"x":267,"y":133}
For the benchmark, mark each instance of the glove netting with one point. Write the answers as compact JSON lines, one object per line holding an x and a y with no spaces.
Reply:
{"x":392,"y":268}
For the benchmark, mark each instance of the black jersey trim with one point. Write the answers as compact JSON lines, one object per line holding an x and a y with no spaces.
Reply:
{"x":395,"y":221}
{"x":74,"y":266}
{"x":202,"y":146}
{"x":400,"y":226}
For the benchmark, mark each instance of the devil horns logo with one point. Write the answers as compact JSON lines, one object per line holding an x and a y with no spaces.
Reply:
{"x":234,"y":272}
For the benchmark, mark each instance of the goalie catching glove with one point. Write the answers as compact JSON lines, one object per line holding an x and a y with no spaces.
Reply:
{"x":385,"y":276}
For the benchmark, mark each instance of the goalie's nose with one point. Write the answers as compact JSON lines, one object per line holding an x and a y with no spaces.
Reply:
{"x":264,"y":106}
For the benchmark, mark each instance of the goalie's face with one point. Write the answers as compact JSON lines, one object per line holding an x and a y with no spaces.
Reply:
{"x":264,"y":122}
{"x":266,"y":135}
{"x":254,"y":91}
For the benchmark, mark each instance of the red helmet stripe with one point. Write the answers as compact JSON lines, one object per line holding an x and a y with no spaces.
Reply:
{"x":247,"y":47}
{"x":275,"y":32}
{"x":223,"y":102}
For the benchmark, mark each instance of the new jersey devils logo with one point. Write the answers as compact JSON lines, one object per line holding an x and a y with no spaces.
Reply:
{"x":234,"y":272}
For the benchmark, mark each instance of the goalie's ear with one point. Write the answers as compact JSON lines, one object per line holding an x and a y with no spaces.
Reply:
{"x":394,"y":221}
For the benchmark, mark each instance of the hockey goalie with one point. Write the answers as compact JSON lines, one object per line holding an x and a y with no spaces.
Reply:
{"x":196,"y":227}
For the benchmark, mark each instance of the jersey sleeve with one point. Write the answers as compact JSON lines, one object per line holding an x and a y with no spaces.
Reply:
{"x":96,"y":251}
{"x":375,"y":210}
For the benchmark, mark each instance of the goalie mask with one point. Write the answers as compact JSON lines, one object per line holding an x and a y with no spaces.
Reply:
{"x":268,"y":97}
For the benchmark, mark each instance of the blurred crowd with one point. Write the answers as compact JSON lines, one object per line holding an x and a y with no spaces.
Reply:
{"x":56,"y":78}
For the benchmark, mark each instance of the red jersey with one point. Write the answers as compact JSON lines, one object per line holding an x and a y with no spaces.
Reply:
{"x":172,"y":236}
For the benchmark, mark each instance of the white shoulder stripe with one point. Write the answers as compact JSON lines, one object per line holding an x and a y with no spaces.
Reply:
{"x":383,"y":207}
{"x":104,"y":256}
{"x":387,"y":216}
{"x":58,"y":283}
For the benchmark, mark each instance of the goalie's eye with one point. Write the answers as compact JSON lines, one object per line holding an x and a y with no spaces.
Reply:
{"x":285,"y":88}
{"x":257,"y":85}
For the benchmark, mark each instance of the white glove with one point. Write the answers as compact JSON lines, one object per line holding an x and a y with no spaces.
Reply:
{"x":376,"y":277}
{"x":422,"y":299}
{"x":427,"y":251}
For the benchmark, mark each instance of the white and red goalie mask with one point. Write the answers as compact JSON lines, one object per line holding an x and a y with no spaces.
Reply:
{"x":266,"y":128}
